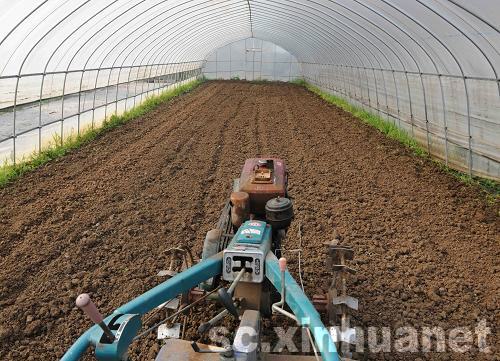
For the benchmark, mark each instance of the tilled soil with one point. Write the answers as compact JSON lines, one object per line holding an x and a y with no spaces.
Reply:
{"x":100,"y":219}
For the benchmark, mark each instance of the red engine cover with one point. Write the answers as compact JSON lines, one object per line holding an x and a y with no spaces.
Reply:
{"x":263,"y":179}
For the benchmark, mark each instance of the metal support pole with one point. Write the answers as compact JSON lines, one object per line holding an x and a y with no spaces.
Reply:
{"x":40,"y":116}
{"x":469,"y":135}
{"x":62,"y":108}
{"x":230,"y":61}
{"x":426,"y":115}
{"x":14,"y":120}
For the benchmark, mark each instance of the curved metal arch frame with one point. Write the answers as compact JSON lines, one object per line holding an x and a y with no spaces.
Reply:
{"x":156,"y":43}
{"x":343,"y":43}
{"x":178,"y":29}
{"x":296,"y":31}
{"x":81,"y":38}
{"x":455,"y":59}
{"x":202,"y":46}
{"x":296,"y":53}
{"x":349,"y":34}
{"x":418,"y":43}
{"x":187,"y":11}
{"x":212,"y":19}
{"x":475,"y":15}
{"x":137,"y":38}
{"x":464,"y":34}
{"x":230,"y":41}
{"x":167,"y":62}
{"x":342,"y":30}
{"x":65,"y":77}
{"x":448,"y":21}
{"x":109,"y":36}
{"x":362,"y":52}
{"x":22,"y":21}
{"x":466,"y":21}
{"x":337,"y":21}
{"x":217,"y":36}
{"x":401,"y":62}
{"x":24,"y":61}
{"x":291,"y":51}
{"x":29,"y":33}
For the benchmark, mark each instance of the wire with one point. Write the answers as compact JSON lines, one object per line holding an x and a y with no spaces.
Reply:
{"x":299,"y":251}
{"x":300,"y":257}
{"x":313,"y":345}
{"x":176,"y":313}
{"x":157,"y":310}
{"x":302,"y":285}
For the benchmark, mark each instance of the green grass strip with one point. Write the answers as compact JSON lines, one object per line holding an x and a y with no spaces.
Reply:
{"x":490,"y":187}
{"x":10,"y":172}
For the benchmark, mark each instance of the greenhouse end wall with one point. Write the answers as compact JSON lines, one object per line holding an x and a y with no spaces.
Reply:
{"x":252,"y":59}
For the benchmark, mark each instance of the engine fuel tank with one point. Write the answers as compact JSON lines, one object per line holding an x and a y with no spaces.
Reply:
{"x":263,"y":179}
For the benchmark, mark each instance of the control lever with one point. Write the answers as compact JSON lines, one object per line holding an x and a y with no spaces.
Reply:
{"x":278,"y":306}
{"x":204,"y":327}
{"x":227,"y":301}
{"x":84,"y":303}
{"x":226,"y":296}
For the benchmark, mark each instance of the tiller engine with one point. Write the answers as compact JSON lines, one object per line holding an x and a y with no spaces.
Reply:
{"x":240,"y":268}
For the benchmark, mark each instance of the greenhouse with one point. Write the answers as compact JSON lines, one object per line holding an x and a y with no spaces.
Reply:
{"x":353,"y":147}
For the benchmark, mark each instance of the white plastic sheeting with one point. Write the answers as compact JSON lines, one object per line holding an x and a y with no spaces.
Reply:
{"x":251,"y":59}
{"x":430,"y":66}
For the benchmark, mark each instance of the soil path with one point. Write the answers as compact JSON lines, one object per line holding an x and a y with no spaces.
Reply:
{"x":100,"y":219}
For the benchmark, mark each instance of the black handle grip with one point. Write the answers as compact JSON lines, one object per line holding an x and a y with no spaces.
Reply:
{"x":227,"y":301}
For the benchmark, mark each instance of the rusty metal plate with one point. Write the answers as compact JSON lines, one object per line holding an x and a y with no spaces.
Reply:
{"x":181,"y":350}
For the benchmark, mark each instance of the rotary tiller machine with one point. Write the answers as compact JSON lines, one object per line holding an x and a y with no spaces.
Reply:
{"x":240,"y":268}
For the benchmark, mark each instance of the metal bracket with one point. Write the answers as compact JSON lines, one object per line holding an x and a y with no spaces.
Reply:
{"x":179,"y":260}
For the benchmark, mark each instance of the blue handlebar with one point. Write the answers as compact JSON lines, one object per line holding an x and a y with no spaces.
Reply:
{"x":302,"y":308}
{"x":165,"y":291}
{"x":211,"y":267}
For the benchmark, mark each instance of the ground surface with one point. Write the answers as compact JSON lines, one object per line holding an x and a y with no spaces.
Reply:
{"x":100,"y":219}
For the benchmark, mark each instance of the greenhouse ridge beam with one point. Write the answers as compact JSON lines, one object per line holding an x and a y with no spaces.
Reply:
{"x":250,"y":17}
